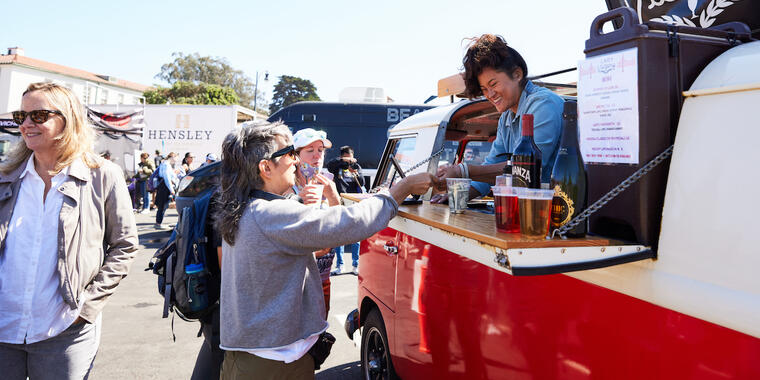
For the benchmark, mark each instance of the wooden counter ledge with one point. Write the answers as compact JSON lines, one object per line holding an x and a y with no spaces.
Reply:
{"x":482,"y":227}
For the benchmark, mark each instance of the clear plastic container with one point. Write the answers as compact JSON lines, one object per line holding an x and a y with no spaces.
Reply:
{"x":535,"y":208}
{"x":459,"y":194}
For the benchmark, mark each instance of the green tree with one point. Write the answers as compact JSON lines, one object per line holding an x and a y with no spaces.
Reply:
{"x":199,"y":69}
{"x":289,"y":90}
{"x":190,"y":93}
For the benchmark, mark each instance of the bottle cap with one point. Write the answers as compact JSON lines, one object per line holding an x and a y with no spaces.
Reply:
{"x":527,"y":124}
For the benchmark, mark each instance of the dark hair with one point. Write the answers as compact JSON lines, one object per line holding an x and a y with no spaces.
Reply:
{"x":345,"y":149}
{"x":184,"y":160}
{"x":158,"y":152}
{"x":144,"y":155}
{"x":242,"y":150}
{"x":490,"y":51}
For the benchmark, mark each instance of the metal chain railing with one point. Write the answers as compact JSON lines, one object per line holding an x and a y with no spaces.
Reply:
{"x":407,"y":171}
{"x":633,"y":178}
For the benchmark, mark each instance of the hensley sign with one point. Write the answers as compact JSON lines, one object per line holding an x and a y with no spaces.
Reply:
{"x":173,"y":134}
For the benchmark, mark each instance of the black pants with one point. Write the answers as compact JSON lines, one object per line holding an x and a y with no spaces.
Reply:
{"x":210,"y":357}
{"x":162,"y":201}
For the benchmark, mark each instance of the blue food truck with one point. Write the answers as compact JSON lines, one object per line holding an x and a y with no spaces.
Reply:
{"x":363,"y":126}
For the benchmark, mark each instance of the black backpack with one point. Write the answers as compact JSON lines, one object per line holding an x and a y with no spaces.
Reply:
{"x":187,"y":276}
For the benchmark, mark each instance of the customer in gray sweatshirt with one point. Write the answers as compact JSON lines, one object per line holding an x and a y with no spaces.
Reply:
{"x":272,"y":305}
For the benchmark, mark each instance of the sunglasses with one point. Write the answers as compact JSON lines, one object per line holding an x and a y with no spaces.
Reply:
{"x":37,"y":116}
{"x":289,"y":150}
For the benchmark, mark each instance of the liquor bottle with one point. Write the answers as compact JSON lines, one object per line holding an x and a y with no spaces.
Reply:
{"x":526,"y":159}
{"x":569,"y":179}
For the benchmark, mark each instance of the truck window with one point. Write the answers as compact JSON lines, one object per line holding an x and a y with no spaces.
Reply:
{"x":403,"y":152}
{"x":475,"y":152}
{"x":449,"y":153}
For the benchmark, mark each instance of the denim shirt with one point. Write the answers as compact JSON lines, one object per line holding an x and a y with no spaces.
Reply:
{"x":546,"y":108}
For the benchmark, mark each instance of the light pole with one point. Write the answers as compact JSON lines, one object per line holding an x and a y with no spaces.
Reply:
{"x":256,"y":90}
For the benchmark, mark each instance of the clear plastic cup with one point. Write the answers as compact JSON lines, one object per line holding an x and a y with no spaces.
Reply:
{"x":317,"y":189}
{"x":503,"y":180}
{"x":459,"y":194}
{"x":506,"y":209}
{"x":535,"y":208}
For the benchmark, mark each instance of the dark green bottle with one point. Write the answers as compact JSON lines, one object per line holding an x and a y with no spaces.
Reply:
{"x":569,"y":179}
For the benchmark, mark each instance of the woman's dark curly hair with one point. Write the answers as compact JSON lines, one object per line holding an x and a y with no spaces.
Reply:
{"x":490,"y":51}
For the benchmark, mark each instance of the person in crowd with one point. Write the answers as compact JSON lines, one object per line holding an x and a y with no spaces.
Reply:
{"x":145,"y":170}
{"x":158,"y":158}
{"x":348,"y":179}
{"x":187,"y":161}
{"x":310,"y":146}
{"x":272,"y":305}
{"x":210,"y":159}
{"x":165,"y":190}
{"x":346,"y":171}
{"x":497,"y":71}
{"x":132,"y":189}
{"x":67,"y":238}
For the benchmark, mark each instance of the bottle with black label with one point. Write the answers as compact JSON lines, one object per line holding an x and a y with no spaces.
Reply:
{"x":526,"y":159}
{"x":569,"y":178}
{"x":508,"y":165}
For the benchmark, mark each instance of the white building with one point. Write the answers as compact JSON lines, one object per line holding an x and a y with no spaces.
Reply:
{"x":17,"y":71}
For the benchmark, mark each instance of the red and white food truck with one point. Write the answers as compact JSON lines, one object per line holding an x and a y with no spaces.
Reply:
{"x":446,"y":296}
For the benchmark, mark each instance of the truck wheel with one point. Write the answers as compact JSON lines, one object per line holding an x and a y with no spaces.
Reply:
{"x":376,"y":357}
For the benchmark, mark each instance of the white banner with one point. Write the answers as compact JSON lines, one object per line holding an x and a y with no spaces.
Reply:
{"x":608,"y":108}
{"x":182,"y":128}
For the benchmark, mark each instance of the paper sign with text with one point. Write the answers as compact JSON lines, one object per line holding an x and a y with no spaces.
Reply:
{"x":608,"y":108}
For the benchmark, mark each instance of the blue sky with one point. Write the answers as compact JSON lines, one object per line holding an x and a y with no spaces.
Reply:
{"x":404,"y":47}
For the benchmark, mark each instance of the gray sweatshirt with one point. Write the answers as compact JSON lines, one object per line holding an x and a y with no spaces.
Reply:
{"x":271,"y":290}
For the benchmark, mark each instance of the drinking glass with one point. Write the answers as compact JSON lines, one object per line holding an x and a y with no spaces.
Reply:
{"x":505,"y":199}
{"x":535,"y":207}
{"x":459,"y":194}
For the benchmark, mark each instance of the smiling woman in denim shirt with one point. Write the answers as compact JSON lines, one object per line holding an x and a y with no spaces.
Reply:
{"x":498,"y":72}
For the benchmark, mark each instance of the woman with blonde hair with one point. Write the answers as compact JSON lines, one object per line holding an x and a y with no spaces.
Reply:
{"x":67,"y":238}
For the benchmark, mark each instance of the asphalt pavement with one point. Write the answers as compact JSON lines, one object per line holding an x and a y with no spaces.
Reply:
{"x":136,"y":343}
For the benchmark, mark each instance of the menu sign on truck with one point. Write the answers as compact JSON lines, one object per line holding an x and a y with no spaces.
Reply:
{"x":608,"y":108}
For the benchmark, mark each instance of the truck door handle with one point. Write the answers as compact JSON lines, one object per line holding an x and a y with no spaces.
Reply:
{"x":390,"y":248}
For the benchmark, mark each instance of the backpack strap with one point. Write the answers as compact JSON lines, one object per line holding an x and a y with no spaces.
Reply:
{"x":169,"y":276}
{"x":197,"y":244}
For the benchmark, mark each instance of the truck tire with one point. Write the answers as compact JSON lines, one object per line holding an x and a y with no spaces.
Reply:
{"x":375,"y":355}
